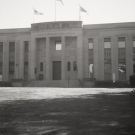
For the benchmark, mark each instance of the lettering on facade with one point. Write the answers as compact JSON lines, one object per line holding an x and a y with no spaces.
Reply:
{"x":53,"y":34}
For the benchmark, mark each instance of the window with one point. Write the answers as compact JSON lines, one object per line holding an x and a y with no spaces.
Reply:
{"x":121,"y":42}
{"x":133,"y":55}
{"x":25,"y":67}
{"x":1,"y":68}
{"x":41,"y":77}
{"x":74,"y":66}
{"x":90,"y":55}
{"x":35,"y":70}
{"x":90,"y":43}
{"x":121,"y":58}
{"x":68,"y":66}
{"x":65,"y":25}
{"x":1,"y":47}
{"x":11,"y":67}
{"x":133,"y":41}
{"x":26,"y":46}
{"x":107,"y":59}
{"x":107,"y":43}
{"x":1,"y":51}
{"x":11,"y":46}
{"x":41,"y":66}
{"x":58,"y":45}
{"x":91,"y":70}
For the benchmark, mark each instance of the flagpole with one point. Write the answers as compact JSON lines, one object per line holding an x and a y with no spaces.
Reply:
{"x":33,"y":18}
{"x":79,"y":13}
{"x":55,"y":10}
{"x":33,"y":15}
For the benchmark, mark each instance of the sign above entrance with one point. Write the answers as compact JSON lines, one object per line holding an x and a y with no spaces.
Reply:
{"x":57,"y":34}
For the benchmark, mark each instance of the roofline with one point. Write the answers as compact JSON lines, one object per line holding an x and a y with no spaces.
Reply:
{"x":110,"y":25}
{"x":15,"y":30}
{"x":54,"y":22}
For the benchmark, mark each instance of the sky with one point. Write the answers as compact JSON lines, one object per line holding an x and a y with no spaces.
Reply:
{"x":20,"y":13}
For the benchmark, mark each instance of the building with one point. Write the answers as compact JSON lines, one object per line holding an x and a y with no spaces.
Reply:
{"x":62,"y":50}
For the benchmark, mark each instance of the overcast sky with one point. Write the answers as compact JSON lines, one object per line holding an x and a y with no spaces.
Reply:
{"x":19,"y":13}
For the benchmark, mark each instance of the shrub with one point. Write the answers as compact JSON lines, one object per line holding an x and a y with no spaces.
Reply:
{"x":5,"y":84}
{"x":132,"y":81}
{"x":110,"y":84}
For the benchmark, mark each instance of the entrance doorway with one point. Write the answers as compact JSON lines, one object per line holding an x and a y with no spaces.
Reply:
{"x":56,"y":70}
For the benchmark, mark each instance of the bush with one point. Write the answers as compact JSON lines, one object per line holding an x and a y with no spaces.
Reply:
{"x":5,"y":84}
{"x":110,"y":84}
{"x":17,"y":80}
{"x":132,"y":81}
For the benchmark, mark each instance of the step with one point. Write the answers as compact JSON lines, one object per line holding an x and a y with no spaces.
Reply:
{"x":54,"y":83}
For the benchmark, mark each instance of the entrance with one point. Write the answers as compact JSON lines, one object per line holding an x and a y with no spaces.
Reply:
{"x":56,"y":70}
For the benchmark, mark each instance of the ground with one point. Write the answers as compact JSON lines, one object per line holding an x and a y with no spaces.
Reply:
{"x":50,"y":111}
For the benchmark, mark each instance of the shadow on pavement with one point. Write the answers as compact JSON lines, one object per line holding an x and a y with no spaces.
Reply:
{"x":99,"y":114}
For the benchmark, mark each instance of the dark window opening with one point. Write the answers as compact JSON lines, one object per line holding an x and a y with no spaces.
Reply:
{"x":11,"y":67}
{"x":41,"y":66}
{"x":41,"y":77}
{"x":68,"y":66}
{"x":25,"y":67}
{"x":74,"y":66}
{"x":11,"y":46}
{"x":1,"y":68}
{"x":35,"y":70}
{"x":26,"y":46}
{"x":1,"y":47}
{"x":133,"y":68}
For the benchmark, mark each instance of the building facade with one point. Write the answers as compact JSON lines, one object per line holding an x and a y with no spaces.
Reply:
{"x":62,"y":50}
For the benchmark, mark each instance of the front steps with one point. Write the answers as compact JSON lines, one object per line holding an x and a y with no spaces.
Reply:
{"x":54,"y":83}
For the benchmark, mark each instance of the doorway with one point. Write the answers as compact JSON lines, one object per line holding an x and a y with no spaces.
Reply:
{"x":56,"y":70}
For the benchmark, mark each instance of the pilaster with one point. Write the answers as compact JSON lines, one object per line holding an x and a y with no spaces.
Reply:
{"x":129,"y":57}
{"x":95,"y":57}
{"x":21,"y":60}
{"x":5,"y":61}
{"x":80,"y":55}
{"x":17,"y":44}
{"x":32,"y":65}
{"x":114,"y":56}
{"x":47,"y":58}
{"x":101,"y":59}
{"x":63,"y":58}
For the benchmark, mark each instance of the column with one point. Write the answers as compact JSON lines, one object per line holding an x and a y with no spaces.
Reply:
{"x":21,"y":60}
{"x":47,"y":58}
{"x":5,"y":61}
{"x":114,"y":56}
{"x":28,"y":61}
{"x":86,"y":57}
{"x":63,"y":58}
{"x":129,"y":57}
{"x":101,"y":59}
{"x":17,"y":44}
{"x":80,"y":55}
{"x":95,"y":57}
{"x":32,"y":65}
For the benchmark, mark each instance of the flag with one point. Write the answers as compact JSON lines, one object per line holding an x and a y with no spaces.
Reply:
{"x":61,"y":1}
{"x":83,"y":10}
{"x":37,"y":13}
